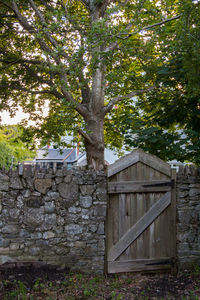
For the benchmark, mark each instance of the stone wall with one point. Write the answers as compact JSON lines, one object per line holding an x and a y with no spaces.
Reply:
{"x":55,"y":217}
{"x":188,"y":217}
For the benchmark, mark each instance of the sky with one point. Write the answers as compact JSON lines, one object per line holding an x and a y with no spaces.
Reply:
{"x":7,"y":120}
{"x":19,"y":116}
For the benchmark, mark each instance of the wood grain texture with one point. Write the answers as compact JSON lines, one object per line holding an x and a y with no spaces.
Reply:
{"x":140,"y":265}
{"x":139,"y":227}
{"x":130,"y":201}
{"x":136,"y":156}
{"x":139,"y":186}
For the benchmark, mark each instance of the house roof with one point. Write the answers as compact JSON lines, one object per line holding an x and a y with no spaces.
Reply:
{"x":56,"y":155}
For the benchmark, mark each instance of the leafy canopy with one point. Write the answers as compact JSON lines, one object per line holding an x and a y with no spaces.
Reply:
{"x":54,"y":51}
{"x":14,"y":147}
{"x":166,"y":121}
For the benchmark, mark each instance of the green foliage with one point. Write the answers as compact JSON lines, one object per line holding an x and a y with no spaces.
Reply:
{"x":19,"y":291}
{"x":56,"y":61}
{"x":166,"y":121}
{"x":80,"y":286}
{"x":196,"y":270}
{"x":14,"y":147}
{"x":32,"y":72}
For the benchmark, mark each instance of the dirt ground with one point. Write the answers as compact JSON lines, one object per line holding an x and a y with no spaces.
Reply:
{"x":31,"y":282}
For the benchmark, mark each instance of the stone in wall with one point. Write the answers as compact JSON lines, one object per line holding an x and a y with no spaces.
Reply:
{"x":188,"y":217}
{"x":68,"y":191}
{"x":53,"y":216}
{"x":43,"y":184}
{"x":4,"y":182}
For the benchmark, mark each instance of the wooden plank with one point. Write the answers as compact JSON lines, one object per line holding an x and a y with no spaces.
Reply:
{"x":160,"y":231}
{"x":112,"y":223}
{"x":155,"y":163}
{"x":115,"y":217}
{"x":134,"y":219}
{"x":140,"y":213}
{"x":139,"y":155}
{"x":123,"y":163}
{"x":139,"y":227}
{"x":139,"y":186}
{"x":109,"y":226}
{"x":125,"y":216}
{"x":139,"y":265}
{"x":145,"y":234}
{"x":122,"y":214}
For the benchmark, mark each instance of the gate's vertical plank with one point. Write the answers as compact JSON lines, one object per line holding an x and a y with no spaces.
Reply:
{"x":115,"y":212}
{"x":121,"y":217}
{"x":133,"y":207}
{"x":122,"y":214}
{"x":109,"y":225}
{"x":156,"y":229}
{"x":112,"y":221}
{"x":157,"y":223}
{"x":139,"y":171}
{"x":140,"y":212}
{"x":146,"y":234}
{"x":127,"y":253}
{"x":126,"y":175}
{"x":123,"y":226}
{"x":152,"y":231}
{"x":152,"y":226}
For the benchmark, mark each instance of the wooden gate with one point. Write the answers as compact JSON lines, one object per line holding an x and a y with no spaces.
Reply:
{"x":141,"y":219}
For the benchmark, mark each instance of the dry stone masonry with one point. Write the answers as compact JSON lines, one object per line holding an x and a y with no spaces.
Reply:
{"x":188,"y":217}
{"x":52,"y":216}
{"x":58,"y":217}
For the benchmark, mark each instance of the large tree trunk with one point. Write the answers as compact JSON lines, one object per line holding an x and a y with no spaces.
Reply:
{"x":95,"y":145}
{"x":94,"y":118}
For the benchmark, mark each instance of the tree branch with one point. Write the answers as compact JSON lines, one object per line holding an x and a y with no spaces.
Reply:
{"x":19,"y":61}
{"x":82,"y":110}
{"x":146,"y":28}
{"x":6,"y":16}
{"x":73,"y":22}
{"x":8,"y":6}
{"x":17,"y":87}
{"x":115,"y":44}
{"x":35,"y":92}
{"x":43,"y":21}
{"x":123,"y":3}
{"x":85,"y":135}
{"x":86,"y":3}
{"x":128,"y":27}
{"x":24,"y":23}
{"x":118,"y":99}
{"x":46,"y":5}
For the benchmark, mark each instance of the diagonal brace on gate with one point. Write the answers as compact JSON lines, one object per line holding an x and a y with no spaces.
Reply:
{"x":132,"y":234}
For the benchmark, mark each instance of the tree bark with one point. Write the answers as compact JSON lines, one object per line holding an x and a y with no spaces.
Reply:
{"x":94,"y":118}
{"x":95,"y":145}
